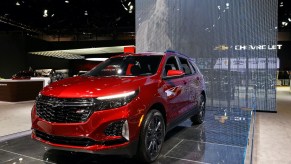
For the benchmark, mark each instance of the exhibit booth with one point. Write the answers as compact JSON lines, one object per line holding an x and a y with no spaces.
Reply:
{"x":234,"y":43}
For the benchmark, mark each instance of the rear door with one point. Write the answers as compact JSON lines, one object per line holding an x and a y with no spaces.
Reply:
{"x":190,"y":81}
{"x":196,"y":85}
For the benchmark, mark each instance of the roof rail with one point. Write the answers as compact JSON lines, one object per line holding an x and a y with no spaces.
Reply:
{"x":173,"y":51}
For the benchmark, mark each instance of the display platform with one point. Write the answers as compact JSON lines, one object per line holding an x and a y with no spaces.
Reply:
{"x":222,"y":138}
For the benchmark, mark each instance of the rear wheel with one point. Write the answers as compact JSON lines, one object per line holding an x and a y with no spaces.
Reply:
{"x":199,"y":117}
{"x":151,"y":137}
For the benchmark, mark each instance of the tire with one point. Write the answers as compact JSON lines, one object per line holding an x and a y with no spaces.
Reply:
{"x":151,"y":137}
{"x":199,"y":117}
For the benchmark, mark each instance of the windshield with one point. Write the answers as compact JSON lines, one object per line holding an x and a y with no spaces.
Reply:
{"x":127,"y":66}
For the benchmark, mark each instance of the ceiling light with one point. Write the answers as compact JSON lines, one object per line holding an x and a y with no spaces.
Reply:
{"x":289,"y":19}
{"x":284,"y":24}
{"x":45,"y":13}
{"x":17,"y":3}
{"x":58,"y":54}
{"x":128,"y":5}
{"x":125,"y":8}
{"x":130,"y":9}
{"x":86,"y":12}
{"x":67,"y":1}
{"x":80,"y":53}
{"x":281,"y":4}
{"x":96,"y":59}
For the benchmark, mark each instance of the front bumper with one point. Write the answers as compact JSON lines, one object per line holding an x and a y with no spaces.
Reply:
{"x":126,"y":148}
{"x":89,"y":136}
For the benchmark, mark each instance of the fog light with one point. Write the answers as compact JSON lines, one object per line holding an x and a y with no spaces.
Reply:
{"x":118,"y":128}
{"x":125,"y":130}
{"x":114,"y":128}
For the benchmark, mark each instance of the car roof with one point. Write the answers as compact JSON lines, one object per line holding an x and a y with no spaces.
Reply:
{"x":149,"y":53}
{"x":140,"y":54}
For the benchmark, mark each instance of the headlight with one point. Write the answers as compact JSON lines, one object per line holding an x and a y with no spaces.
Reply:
{"x":115,"y":101}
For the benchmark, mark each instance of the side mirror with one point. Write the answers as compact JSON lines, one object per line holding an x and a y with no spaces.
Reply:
{"x":175,"y":73}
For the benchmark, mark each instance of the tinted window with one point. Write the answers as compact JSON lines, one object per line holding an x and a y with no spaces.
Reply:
{"x":171,"y":64}
{"x":127,"y":66}
{"x":195,"y":69}
{"x":185,"y":66}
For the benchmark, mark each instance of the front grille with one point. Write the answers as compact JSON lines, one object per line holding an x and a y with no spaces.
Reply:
{"x":64,"y":110}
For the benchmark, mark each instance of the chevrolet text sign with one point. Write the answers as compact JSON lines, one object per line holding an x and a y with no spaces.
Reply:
{"x":257,"y":47}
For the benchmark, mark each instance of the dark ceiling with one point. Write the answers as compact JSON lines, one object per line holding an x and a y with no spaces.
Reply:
{"x":284,"y":15}
{"x":67,"y":16}
{"x":86,"y":16}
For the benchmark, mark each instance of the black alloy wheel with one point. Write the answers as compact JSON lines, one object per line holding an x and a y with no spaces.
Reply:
{"x":152,"y":136}
{"x":199,"y":118}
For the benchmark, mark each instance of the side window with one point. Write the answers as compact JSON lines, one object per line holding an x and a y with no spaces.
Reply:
{"x":185,"y":66}
{"x":171,"y":64}
{"x":193,"y":67}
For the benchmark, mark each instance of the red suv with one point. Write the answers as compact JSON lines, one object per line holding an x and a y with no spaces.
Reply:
{"x":123,"y":106}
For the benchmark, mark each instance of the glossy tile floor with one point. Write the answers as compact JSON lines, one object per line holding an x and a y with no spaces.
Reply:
{"x":222,"y":138}
{"x":273,"y":132}
{"x":15,"y":117}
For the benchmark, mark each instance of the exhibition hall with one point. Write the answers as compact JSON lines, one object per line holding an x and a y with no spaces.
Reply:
{"x":135,"y":81}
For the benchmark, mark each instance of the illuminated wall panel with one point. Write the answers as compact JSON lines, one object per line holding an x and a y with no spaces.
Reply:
{"x":234,"y":42}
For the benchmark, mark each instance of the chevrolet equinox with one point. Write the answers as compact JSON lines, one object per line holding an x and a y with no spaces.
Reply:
{"x":123,"y":106}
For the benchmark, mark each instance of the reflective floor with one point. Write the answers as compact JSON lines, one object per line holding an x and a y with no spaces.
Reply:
{"x":222,"y":138}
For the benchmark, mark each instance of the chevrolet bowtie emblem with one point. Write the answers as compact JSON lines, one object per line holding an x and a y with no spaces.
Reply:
{"x":222,"y":47}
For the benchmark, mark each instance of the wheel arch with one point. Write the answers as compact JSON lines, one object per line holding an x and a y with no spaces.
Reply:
{"x":160,"y":107}
{"x":204,"y":94}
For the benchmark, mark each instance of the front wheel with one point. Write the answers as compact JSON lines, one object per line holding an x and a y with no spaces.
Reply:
{"x":199,"y":118}
{"x":151,"y":137}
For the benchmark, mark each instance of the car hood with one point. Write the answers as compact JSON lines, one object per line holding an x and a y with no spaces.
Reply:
{"x":88,"y":86}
